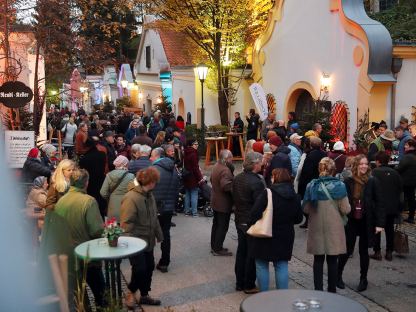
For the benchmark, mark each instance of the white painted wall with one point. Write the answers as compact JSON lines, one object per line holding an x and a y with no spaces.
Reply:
{"x":406,"y":83}
{"x":183,"y":86}
{"x":152,"y":39}
{"x":307,"y":41}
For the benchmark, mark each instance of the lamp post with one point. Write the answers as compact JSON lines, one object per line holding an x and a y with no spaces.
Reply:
{"x":202,"y":70}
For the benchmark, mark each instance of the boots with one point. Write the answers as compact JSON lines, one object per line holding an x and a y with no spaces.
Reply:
{"x":376,"y":256}
{"x":363,"y":284}
{"x":340,"y":282}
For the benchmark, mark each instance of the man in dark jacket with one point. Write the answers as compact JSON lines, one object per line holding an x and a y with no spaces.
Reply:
{"x":238,"y":127}
{"x":33,"y":167}
{"x":221,"y":202}
{"x":166,"y":194}
{"x":108,"y":143}
{"x":252,"y":125}
{"x":391,"y":191}
{"x":247,"y":186}
{"x":143,"y":161}
{"x":142,"y":138}
{"x":280,"y":159}
{"x":310,"y":169}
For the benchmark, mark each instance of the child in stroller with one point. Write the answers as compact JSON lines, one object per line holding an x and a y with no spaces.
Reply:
{"x":204,"y":197}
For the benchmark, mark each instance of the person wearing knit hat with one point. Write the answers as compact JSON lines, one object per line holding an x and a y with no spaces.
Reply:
{"x":33,"y":167}
{"x":115,"y":186}
{"x":310,"y":133}
{"x":258,"y":147}
{"x":337,"y":155}
{"x":275,"y":142}
{"x":48,"y":157}
{"x":49,"y":150}
{"x":120,"y":162}
{"x":271,"y":134}
{"x":33,"y":153}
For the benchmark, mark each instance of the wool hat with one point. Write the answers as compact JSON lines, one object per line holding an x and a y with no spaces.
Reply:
{"x":258,"y":147}
{"x":276,"y":141}
{"x":339,"y":146}
{"x":33,"y":153}
{"x":294,"y":126}
{"x":48,"y":149}
{"x":388,"y":135}
{"x":266,"y":148}
{"x":310,"y":133}
{"x":39,"y":181}
{"x":108,"y":133}
{"x":121,"y":161}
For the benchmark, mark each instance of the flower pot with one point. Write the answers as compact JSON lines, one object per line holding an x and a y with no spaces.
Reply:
{"x":113,"y":242}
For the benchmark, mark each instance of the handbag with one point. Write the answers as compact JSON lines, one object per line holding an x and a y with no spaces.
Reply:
{"x":401,"y":240}
{"x":264,"y":226}
{"x":343,"y":217}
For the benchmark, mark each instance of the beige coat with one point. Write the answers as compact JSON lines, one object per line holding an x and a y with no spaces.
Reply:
{"x":326,"y":235}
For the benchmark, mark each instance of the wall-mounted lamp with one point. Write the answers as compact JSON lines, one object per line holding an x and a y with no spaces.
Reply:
{"x":159,"y":100}
{"x":325,"y":82}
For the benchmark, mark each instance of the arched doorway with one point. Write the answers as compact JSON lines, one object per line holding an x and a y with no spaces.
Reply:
{"x":181,"y":107}
{"x":304,"y":105}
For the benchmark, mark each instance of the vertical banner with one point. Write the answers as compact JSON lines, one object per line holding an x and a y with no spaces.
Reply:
{"x":18,"y":144}
{"x":259,"y":98}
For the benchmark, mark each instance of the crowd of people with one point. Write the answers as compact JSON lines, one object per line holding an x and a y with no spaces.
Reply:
{"x":133,"y":167}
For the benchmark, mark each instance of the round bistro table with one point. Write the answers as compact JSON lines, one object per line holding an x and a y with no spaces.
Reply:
{"x":99,"y":250}
{"x":282,"y":300}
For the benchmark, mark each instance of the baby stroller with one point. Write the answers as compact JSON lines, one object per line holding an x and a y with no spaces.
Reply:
{"x":204,"y":196}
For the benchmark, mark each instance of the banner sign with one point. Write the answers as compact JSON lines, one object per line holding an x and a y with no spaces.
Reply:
{"x":18,"y":144}
{"x":259,"y":98}
{"x":15,"y":94}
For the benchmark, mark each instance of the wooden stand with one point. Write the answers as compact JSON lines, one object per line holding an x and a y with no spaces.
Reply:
{"x":240,"y":135}
{"x":213,"y":141}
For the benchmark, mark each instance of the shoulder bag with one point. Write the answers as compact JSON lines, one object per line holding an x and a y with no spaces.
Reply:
{"x":118,"y":182}
{"x":264,"y":226}
{"x":343,"y":217}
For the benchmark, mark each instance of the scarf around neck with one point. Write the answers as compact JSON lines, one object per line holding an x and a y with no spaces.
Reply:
{"x":314,"y":191}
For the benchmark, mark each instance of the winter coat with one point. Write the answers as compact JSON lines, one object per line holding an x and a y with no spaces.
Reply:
{"x":80,"y":139}
{"x":167,"y":189}
{"x":310,"y":169}
{"x":115,"y":195}
{"x":111,"y":154}
{"x":407,"y":168}
{"x":53,"y":196}
{"x":123,"y":150}
{"x":154,"y":127}
{"x":299,"y":172}
{"x":406,"y":137}
{"x":339,"y":159}
{"x":138,"y":216}
{"x":280,"y":160}
{"x":294,"y":155}
{"x":287,"y":211}
{"x":191,"y":164}
{"x":222,"y":184}
{"x":252,"y":126}
{"x":326,"y":235}
{"x":372,"y":205}
{"x":391,"y":188}
{"x":247,"y":186}
{"x":131,"y":133}
{"x":82,"y":215}
{"x":138,"y":164}
{"x":70,"y":130}
{"x":33,"y":168}
{"x":238,"y":125}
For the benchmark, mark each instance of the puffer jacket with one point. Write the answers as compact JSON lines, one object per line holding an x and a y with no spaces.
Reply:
{"x":138,"y":164}
{"x":33,"y":168}
{"x":138,"y":215}
{"x":115,"y":195}
{"x":247,"y":186}
{"x":295,"y":155}
{"x":281,"y":159}
{"x":166,"y":190}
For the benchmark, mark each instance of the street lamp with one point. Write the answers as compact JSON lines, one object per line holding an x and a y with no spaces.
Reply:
{"x":202,"y":70}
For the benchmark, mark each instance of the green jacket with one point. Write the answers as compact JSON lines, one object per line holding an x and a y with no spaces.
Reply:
{"x":138,"y":215}
{"x":82,"y":215}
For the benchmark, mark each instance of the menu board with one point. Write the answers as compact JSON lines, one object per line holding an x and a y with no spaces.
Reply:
{"x":17,"y":146}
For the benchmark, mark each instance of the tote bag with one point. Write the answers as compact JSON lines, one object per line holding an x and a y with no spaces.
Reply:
{"x":264,"y":226}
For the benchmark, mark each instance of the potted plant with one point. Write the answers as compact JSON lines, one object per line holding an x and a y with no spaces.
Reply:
{"x":112,"y":231}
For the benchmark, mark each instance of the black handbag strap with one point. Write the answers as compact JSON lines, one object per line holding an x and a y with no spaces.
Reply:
{"x":119,"y":182}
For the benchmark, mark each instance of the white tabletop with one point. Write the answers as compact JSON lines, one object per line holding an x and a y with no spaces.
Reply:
{"x":98,"y":249}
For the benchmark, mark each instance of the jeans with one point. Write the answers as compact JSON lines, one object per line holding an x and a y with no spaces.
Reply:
{"x":353,"y":229}
{"x":318,"y":272}
{"x":142,"y":266}
{"x":191,"y":201}
{"x":409,"y":196}
{"x":281,"y":273}
{"x":165,"y":220}
{"x":245,"y":267}
{"x":389,"y":229}
{"x":219,"y":229}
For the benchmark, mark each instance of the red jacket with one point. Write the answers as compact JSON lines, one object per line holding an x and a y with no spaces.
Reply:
{"x":191,"y":164}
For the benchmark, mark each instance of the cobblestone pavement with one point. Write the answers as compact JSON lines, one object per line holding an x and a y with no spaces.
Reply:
{"x":198,"y":281}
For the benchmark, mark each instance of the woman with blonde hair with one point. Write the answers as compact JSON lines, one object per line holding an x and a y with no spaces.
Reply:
{"x":249,"y":146}
{"x":366,"y":219}
{"x":326,"y":203}
{"x":160,"y":139}
{"x":60,"y":182}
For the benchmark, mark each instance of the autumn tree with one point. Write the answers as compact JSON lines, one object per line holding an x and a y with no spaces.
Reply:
{"x":221,"y":28}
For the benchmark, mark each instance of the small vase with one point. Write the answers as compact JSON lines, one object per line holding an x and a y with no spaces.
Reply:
{"x":113,"y":242}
